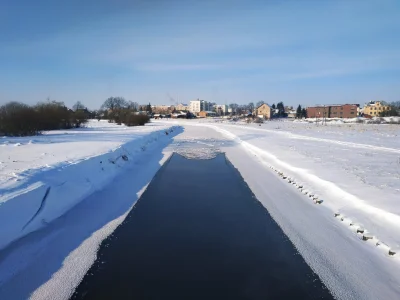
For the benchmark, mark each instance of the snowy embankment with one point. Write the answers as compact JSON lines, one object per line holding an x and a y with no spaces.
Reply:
{"x":43,"y":177}
{"x":353,"y":170}
{"x":358,"y":120}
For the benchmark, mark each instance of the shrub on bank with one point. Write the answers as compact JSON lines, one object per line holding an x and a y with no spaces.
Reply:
{"x":18,"y":119}
{"x":132,"y":119}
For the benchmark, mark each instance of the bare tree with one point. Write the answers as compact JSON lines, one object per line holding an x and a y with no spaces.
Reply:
{"x":250,"y":106}
{"x":234,"y":107}
{"x":132,"y":105}
{"x":259,"y":103}
{"x":78,"y":106}
{"x":114,"y":103}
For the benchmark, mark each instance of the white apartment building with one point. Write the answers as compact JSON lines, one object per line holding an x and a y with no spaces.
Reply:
{"x":198,"y":105}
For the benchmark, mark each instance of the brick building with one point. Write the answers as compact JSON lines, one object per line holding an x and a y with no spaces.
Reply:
{"x":333,"y":111}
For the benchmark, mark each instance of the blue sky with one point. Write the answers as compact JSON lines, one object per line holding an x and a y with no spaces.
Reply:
{"x":298,"y":52}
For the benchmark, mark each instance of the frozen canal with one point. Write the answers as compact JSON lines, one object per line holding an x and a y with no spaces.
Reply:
{"x":198,"y":232}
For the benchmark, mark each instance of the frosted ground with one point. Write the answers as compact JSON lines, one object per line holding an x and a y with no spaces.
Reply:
{"x":96,"y":174}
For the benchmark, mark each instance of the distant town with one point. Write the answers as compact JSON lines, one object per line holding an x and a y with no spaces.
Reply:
{"x":19,"y":119}
{"x":202,"y":109}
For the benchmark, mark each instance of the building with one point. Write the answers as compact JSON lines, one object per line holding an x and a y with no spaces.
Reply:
{"x":333,"y":111}
{"x":198,"y":105}
{"x":204,"y":114}
{"x":374,"y":108}
{"x":343,"y":111}
{"x":221,"y":109}
{"x":181,"y":107}
{"x":264,"y":111}
{"x":288,"y":109}
{"x":319,"y":111}
{"x":179,"y":115}
{"x":291,"y":113}
{"x":162,"y":108}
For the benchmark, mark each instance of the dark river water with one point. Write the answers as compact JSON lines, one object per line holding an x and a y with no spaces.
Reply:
{"x":198,"y":232}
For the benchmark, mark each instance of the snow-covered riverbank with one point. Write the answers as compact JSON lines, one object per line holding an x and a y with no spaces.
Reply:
{"x":43,"y":177}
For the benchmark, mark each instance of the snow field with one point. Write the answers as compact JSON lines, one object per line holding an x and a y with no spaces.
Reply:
{"x":47,"y":193}
{"x":338,"y":239}
{"x":364,"y":234}
{"x":361,"y":120}
{"x":386,"y":224}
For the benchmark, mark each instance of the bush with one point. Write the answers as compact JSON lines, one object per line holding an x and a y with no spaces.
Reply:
{"x":18,"y":119}
{"x":53,"y":115}
{"x":132,"y":119}
{"x":78,"y":118}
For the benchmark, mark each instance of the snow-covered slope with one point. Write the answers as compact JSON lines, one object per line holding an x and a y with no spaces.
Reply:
{"x":354,"y":169}
{"x":43,"y":177}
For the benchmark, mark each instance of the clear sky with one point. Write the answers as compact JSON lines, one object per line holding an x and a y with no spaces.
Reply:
{"x":225,"y":51}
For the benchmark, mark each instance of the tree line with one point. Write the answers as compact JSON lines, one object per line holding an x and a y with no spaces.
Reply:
{"x":19,"y":119}
{"x":301,"y":112}
{"x":394,"y":110}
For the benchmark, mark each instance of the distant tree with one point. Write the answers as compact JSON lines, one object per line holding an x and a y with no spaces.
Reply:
{"x":259,"y":103}
{"x":273,"y":106}
{"x":78,"y":106}
{"x":115,"y":107}
{"x":98,"y":114}
{"x":234,"y":107}
{"x":395,"y":104}
{"x":281,"y":109}
{"x":392,"y":112}
{"x":148,"y":108}
{"x":298,"y":112}
{"x":114,"y":103}
{"x":53,"y":115}
{"x":18,"y":119}
{"x":304,"y":113}
{"x":251,"y":107}
{"x":132,"y":105}
{"x":78,"y":118}
{"x":242,"y":109}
